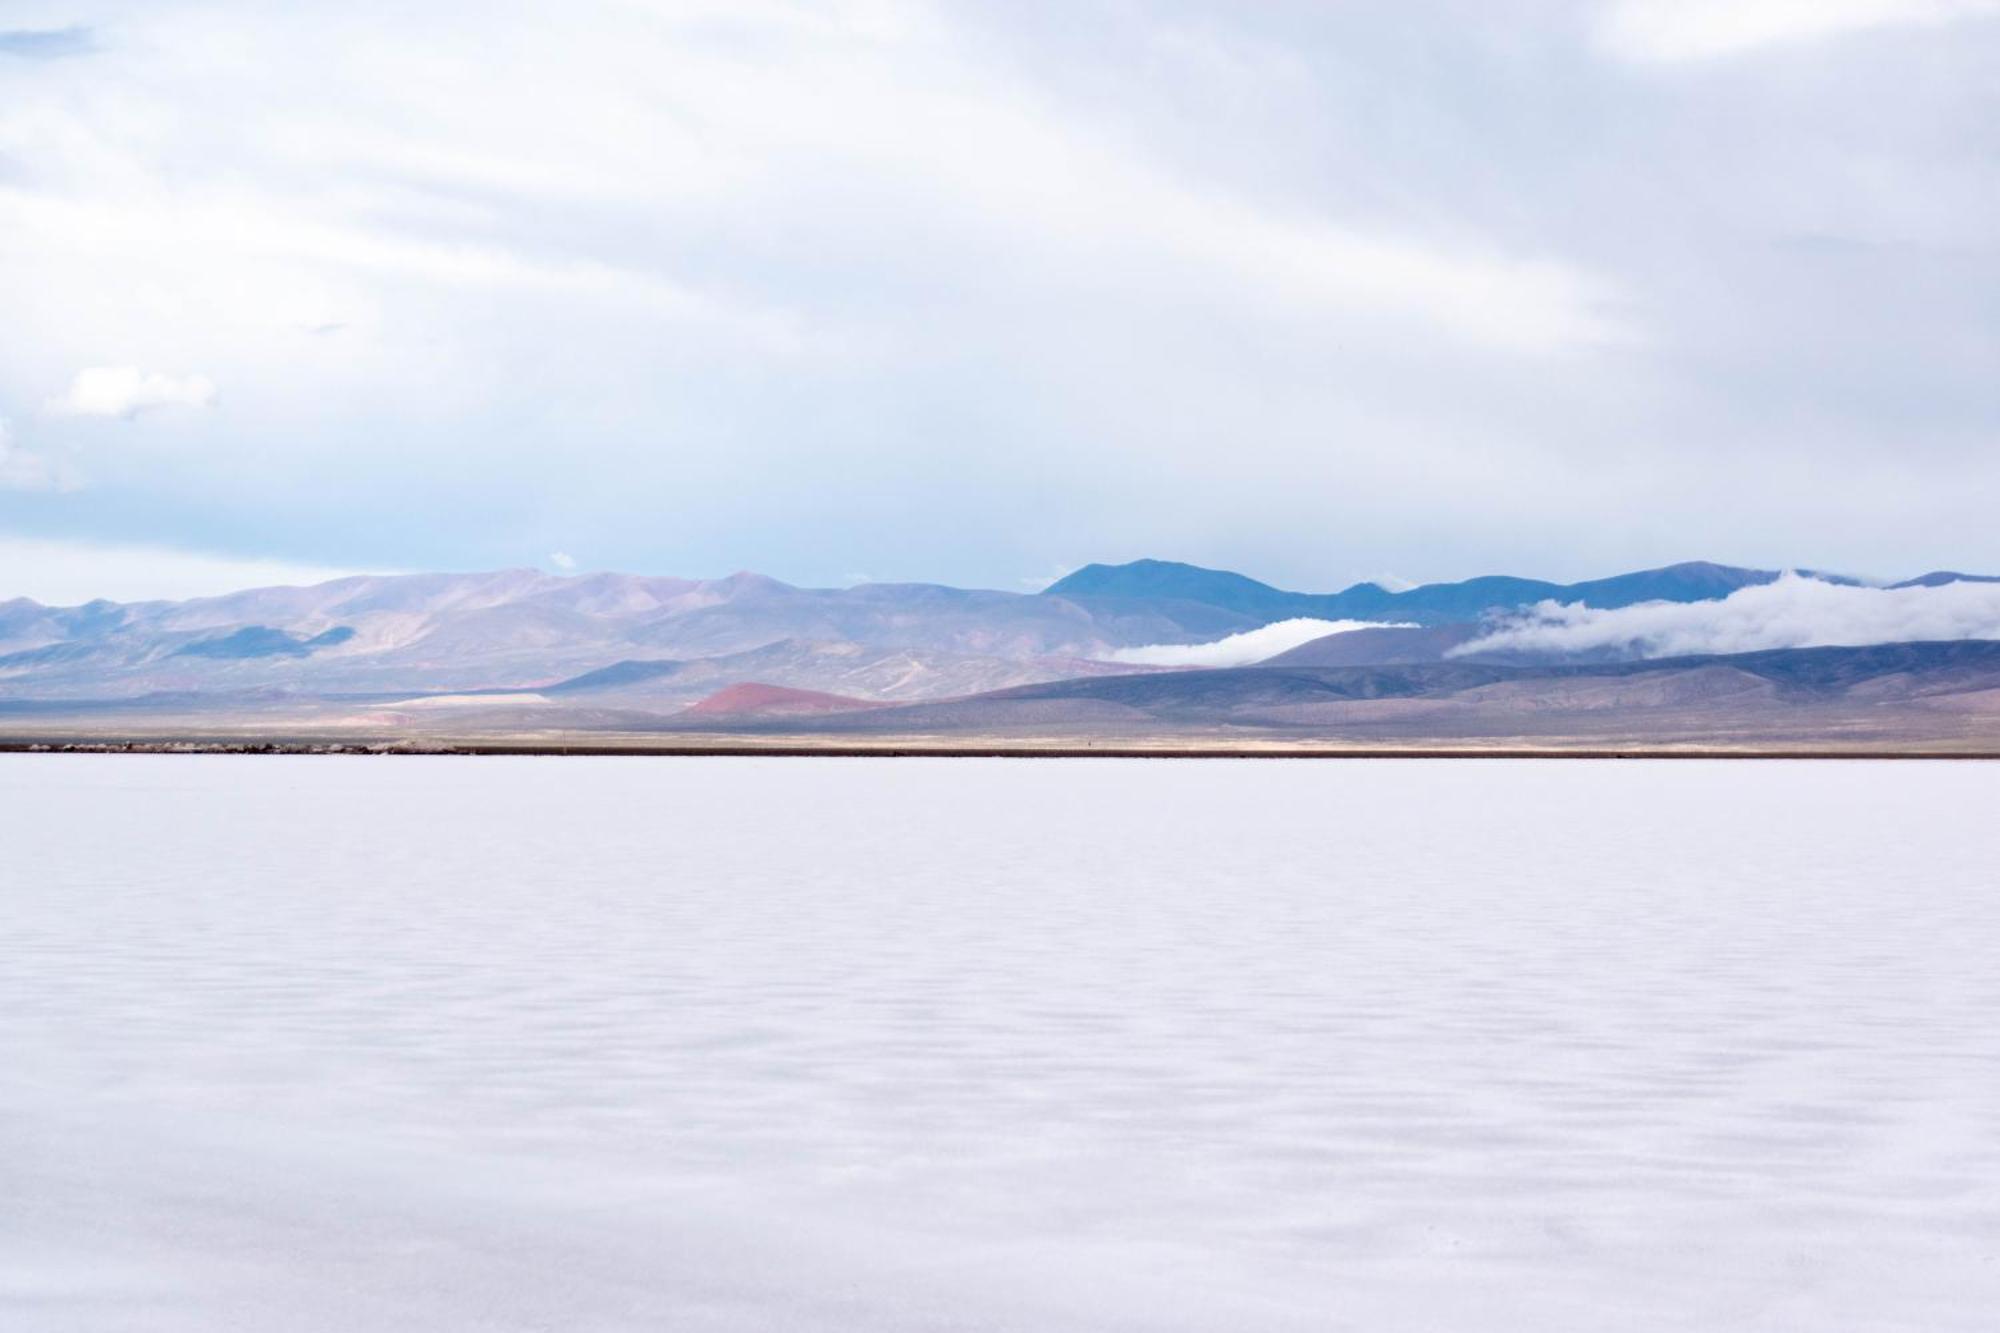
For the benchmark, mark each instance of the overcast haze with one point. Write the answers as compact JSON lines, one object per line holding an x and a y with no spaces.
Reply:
{"x":980,"y":293}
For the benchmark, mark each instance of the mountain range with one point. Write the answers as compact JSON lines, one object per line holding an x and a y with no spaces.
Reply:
{"x":520,"y":650}
{"x":1151,"y":586}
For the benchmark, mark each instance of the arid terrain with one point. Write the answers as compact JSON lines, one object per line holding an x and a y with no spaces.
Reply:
{"x":1149,"y":657}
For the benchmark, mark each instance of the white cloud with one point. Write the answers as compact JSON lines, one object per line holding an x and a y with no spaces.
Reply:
{"x":1109,"y":242}
{"x":126,"y":391}
{"x":1671,"y":30}
{"x":562,"y":560}
{"x":1240,"y":649}
{"x":1794,"y":612}
{"x":67,"y":573}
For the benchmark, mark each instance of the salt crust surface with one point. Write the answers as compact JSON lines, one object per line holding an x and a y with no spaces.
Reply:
{"x":755,"y":1044}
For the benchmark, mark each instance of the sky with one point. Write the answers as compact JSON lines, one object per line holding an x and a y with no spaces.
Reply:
{"x":980,"y":293}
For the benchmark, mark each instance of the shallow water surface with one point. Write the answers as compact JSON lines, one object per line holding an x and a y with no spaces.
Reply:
{"x":741,"y":1044}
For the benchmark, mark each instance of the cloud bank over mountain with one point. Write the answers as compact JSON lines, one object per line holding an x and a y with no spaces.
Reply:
{"x":1242,"y":649}
{"x":1796,"y":611}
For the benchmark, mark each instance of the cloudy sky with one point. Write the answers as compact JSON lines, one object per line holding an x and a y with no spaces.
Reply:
{"x":977,"y":293}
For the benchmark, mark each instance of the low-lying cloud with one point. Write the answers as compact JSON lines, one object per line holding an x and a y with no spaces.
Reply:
{"x":1794,"y":612}
{"x":1239,"y":649}
{"x":126,"y":391}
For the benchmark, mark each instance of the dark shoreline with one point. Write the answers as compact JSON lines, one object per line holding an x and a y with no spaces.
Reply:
{"x":966,"y":751}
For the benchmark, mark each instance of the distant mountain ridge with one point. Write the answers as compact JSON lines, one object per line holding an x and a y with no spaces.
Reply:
{"x":506,"y":629}
{"x":652,"y":643}
{"x":1116,"y":587}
